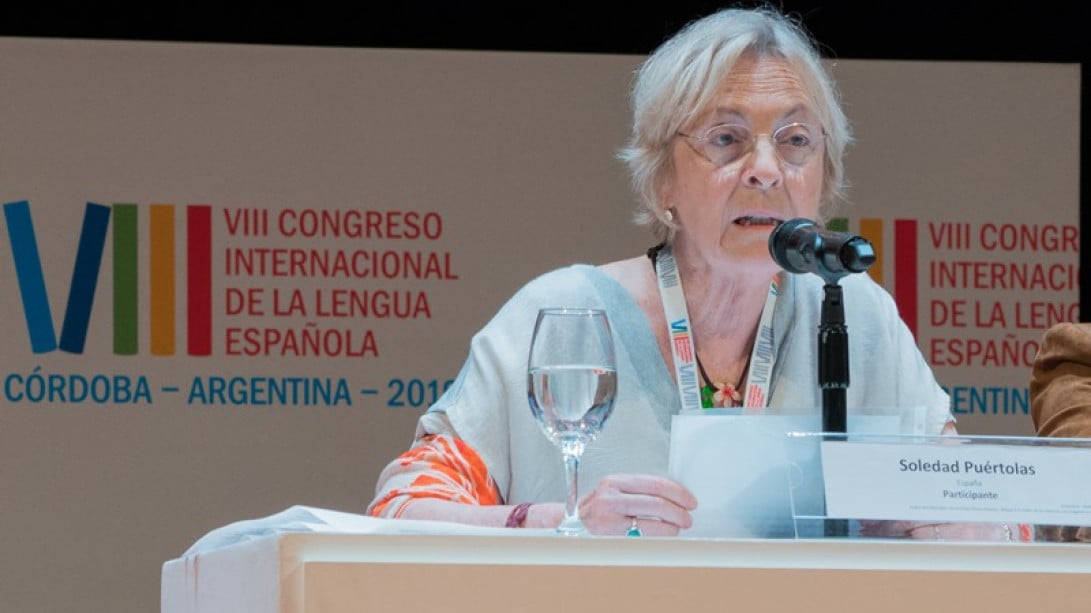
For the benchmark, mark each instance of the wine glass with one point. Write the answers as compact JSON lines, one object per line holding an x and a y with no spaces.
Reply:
{"x":571,"y":384}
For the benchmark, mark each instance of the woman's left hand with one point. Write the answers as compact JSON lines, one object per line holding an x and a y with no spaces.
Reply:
{"x":656,"y":506}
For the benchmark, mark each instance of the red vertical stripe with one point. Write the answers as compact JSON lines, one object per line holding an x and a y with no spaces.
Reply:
{"x":199,"y":279}
{"x":905,"y":271}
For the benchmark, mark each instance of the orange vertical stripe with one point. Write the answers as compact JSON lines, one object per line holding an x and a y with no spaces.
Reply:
{"x":161,"y":283}
{"x":872,"y":230}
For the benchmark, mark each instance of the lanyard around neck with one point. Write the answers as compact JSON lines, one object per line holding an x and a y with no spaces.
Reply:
{"x":756,"y":387}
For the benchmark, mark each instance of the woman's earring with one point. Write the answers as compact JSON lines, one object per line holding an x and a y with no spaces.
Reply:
{"x":668,"y":215}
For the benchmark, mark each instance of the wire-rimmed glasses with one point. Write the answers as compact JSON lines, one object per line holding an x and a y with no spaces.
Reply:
{"x":724,"y":143}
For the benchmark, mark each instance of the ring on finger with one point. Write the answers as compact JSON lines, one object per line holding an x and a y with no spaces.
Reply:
{"x":634,"y":528}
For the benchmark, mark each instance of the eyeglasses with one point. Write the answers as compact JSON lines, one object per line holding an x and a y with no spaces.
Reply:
{"x":725,"y":143}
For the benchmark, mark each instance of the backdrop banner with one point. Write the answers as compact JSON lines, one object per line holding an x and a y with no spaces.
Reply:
{"x":234,"y":275}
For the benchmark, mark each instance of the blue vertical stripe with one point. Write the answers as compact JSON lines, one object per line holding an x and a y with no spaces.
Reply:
{"x":81,"y":295}
{"x":28,"y":271}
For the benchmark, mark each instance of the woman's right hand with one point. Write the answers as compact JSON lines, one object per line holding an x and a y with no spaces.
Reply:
{"x":660,"y":505}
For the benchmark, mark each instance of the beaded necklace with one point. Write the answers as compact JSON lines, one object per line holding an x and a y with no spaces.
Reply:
{"x":717,"y":395}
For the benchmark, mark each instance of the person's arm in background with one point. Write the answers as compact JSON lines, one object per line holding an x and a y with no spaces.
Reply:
{"x":1060,"y":399}
{"x":1060,"y":385}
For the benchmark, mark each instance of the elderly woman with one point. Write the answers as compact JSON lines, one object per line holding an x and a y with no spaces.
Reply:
{"x":736,"y":128}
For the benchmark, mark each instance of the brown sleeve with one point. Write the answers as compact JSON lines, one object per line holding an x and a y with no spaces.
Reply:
{"x":1060,"y":385}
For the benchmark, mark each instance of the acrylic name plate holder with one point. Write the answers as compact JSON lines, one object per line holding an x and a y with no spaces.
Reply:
{"x":777,"y":476}
{"x":844,"y":480}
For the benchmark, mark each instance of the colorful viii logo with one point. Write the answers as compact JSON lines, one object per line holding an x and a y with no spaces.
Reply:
{"x":161,"y":278}
{"x":904,"y":250}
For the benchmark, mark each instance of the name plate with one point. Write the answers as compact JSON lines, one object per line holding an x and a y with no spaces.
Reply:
{"x":949,"y":481}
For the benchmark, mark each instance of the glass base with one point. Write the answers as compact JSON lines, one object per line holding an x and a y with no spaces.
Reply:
{"x":572,"y":526}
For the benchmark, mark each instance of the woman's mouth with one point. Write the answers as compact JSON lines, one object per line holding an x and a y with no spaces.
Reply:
{"x":747,"y":221}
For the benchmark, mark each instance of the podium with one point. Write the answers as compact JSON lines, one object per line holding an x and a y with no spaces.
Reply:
{"x":307,"y":560}
{"x":535,"y":571}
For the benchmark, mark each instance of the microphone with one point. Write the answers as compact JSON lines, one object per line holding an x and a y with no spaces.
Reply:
{"x":800,"y":245}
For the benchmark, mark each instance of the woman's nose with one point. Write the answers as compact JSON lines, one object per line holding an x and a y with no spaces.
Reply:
{"x":763,"y":171}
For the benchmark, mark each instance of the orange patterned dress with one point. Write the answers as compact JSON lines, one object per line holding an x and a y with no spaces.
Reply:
{"x":437,"y":466}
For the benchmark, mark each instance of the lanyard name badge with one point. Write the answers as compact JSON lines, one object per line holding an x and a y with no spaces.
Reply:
{"x":756,"y":396}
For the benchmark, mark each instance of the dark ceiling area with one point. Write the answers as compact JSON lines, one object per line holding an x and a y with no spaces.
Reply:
{"x":1017,"y":30}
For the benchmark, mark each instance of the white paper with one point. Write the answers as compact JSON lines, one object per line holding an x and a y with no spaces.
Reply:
{"x":749,"y":482}
{"x":305,"y":519}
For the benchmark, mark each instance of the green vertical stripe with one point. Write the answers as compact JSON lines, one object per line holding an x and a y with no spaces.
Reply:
{"x":838,"y":224}
{"x":125,"y":280}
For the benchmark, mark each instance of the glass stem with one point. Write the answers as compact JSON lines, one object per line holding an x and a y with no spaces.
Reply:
{"x":572,"y":525}
{"x":572,"y":468}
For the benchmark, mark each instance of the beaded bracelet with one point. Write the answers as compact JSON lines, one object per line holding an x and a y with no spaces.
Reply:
{"x":518,"y":515}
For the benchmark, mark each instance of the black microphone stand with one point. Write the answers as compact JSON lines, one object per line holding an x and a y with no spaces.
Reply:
{"x":833,"y":359}
{"x":800,"y":246}
{"x":833,"y":374}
